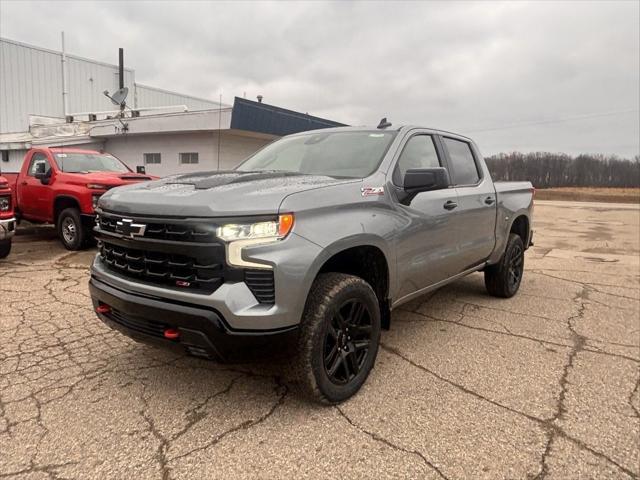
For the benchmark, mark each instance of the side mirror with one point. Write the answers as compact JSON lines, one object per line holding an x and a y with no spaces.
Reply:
{"x":44,"y":178}
{"x":141,"y":169}
{"x":418,"y":180}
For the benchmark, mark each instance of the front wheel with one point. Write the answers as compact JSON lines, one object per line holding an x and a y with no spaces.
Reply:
{"x":5,"y":248}
{"x":503,"y":279}
{"x":70,"y":229}
{"x":339,"y":337}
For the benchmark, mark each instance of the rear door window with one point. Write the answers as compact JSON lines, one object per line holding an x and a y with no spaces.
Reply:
{"x":463,"y":164}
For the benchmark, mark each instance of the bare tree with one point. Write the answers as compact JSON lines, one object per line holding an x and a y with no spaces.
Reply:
{"x":546,"y":170}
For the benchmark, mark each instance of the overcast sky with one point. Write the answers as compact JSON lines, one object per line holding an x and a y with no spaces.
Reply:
{"x":551,"y":76}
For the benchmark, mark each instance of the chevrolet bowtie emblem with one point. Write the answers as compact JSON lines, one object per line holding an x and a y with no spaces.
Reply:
{"x":129,"y":229}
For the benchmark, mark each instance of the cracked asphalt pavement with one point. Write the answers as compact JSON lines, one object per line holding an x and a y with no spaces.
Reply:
{"x":543,"y":385}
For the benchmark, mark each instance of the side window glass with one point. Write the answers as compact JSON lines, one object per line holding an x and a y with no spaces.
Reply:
{"x":418,"y":152}
{"x":465,"y":170}
{"x":39,"y":164}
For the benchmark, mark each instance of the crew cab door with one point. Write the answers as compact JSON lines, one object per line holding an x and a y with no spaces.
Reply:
{"x":425,"y":240}
{"x":476,"y":211}
{"x":35,"y":197}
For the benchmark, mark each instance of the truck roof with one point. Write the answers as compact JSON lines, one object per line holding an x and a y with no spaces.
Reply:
{"x":68,"y":150}
{"x":390,"y":129}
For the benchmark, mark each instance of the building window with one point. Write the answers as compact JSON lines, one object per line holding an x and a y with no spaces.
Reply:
{"x":150,"y":158}
{"x":5,"y":156}
{"x":189,"y":157}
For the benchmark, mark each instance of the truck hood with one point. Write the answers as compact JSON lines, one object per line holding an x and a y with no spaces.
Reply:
{"x":105,"y":178}
{"x":212,"y":194}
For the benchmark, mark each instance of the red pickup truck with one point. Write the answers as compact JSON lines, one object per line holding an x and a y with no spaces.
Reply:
{"x":62,"y":186}
{"x":7,"y":220}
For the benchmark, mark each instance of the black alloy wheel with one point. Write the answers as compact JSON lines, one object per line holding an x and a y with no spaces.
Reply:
{"x":339,"y":338}
{"x":504,"y":278}
{"x":347,"y":341}
{"x":516,"y":267}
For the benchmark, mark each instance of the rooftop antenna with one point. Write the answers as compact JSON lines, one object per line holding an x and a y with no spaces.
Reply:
{"x":384,"y":123}
{"x":119,"y":97}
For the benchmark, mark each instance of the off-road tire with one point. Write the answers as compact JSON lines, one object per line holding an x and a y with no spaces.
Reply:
{"x":76,"y":240}
{"x":499,"y":278}
{"x":5,"y":248}
{"x":329,"y":293}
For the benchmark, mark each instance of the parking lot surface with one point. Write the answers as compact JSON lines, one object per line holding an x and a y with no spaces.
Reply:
{"x":543,"y":385}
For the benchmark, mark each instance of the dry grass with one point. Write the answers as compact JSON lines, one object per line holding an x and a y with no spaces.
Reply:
{"x":590,"y":194}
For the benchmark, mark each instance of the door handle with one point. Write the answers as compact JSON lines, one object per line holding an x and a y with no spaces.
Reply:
{"x":489,"y":200}
{"x":450,"y":205}
{"x":24,"y":182}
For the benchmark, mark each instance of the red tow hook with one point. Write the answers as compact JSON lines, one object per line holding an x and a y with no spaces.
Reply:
{"x":172,"y":333}
{"x":104,"y":309}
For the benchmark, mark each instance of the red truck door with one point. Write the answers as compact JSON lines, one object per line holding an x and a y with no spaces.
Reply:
{"x":34,"y":197}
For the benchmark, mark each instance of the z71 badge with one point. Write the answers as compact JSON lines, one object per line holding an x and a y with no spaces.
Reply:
{"x":369,"y":191}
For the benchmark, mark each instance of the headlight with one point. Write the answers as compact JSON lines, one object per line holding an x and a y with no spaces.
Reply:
{"x":5,"y":204}
{"x":97,"y":186}
{"x":95,"y":201}
{"x":261,"y":230}
{"x":241,"y":235}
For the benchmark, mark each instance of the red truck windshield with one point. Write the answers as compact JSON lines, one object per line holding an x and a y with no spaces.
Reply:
{"x":89,"y":162}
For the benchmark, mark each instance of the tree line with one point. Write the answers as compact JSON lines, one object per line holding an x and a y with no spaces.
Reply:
{"x":546,"y":170}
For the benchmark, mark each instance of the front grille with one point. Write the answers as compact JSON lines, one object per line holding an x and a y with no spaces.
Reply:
{"x":184,"y":255}
{"x":261,"y":284}
{"x":204,"y":274}
{"x":180,"y":232}
{"x":142,"y":325}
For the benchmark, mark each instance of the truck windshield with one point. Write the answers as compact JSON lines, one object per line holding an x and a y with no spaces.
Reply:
{"x":334,"y":154}
{"x":89,"y":162}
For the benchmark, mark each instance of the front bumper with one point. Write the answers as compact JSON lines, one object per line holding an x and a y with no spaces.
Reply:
{"x":7,"y":228}
{"x":294,"y":271}
{"x":203,"y":332}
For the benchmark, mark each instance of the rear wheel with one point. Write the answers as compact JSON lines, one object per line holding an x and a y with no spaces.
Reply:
{"x":339,"y":337}
{"x":5,"y":248}
{"x":503,"y":279}
{"x":70,"y":229}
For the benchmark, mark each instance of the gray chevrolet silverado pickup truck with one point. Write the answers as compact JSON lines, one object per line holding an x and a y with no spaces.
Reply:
{"x":313,"y":240}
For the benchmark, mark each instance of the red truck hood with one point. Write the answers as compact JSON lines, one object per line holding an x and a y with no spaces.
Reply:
{"x":112,"y":179}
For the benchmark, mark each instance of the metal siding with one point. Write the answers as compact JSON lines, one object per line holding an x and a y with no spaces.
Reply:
{"x":31,"y":83}
{"x":22,"y":69}
{"x":88,"y":81}
{"x":156,"y":97}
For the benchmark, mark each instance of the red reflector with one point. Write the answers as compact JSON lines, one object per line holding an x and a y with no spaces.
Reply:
{"x":171,"y":333}
{"x":103,"y":308}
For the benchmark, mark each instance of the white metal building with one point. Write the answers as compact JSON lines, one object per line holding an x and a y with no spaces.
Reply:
{"x":171,"y":133}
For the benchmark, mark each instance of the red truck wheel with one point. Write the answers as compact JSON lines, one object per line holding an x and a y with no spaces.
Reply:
{"x":70,"y":229}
